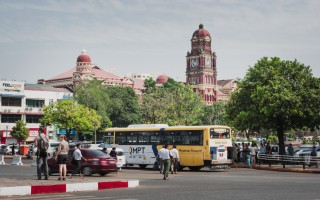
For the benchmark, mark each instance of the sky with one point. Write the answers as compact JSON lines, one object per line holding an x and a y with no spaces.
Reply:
{"x":40,"y":39}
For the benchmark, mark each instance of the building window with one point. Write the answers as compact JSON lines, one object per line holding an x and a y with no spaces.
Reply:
{"x":35,"y":119}
{"x":35,"y":103}
{"x":7,"y":118}
{"x":11,"y":101}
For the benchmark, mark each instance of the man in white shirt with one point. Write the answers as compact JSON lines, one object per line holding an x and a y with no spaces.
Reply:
{"x":165,"y":157}
{"x":175,"y":159}
{"x":160,"y":159}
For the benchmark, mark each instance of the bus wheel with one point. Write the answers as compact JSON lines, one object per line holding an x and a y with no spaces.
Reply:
{"x":194,"y":168}
{"x":142,"y":166}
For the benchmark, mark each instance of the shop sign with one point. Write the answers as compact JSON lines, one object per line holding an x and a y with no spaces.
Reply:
{"x":6,"y":134}
{"x":10,"y":86}
{"x":33,"y":133}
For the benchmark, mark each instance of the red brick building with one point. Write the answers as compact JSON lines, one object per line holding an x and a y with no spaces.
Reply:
{"x":201,"y":71}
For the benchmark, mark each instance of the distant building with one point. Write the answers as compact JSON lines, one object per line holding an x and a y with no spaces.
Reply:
{"x":201,"y":69}
{"x":23,"y":101}
{"x":142,"y":76}
{"x":225,"y":88}
{"x":85,"y":70}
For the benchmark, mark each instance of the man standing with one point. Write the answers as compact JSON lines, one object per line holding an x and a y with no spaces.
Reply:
{"x":175,"y":159}
{"x":42,"y":143}
{"x":165,"y":157}
{"x":159,"y":158}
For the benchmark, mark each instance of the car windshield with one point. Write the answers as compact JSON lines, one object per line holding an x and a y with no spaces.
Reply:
{"x":3,"y":147}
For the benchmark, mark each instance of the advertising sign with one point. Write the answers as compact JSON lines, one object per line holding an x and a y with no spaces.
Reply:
{"x":11,"y":86}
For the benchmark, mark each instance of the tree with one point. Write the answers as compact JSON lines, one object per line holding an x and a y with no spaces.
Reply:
{"x":93,"y":94}
{"x":149,"y":85}
{"x":20,"y":131}
{"x":123,"y":107}
{"x":277,"y":95}
{"x":214,"y":114}
{"x":173,"y":104}
{"x":68,"y":115}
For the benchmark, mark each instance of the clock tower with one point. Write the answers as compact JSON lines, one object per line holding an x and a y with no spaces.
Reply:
{"x":201,"y":68}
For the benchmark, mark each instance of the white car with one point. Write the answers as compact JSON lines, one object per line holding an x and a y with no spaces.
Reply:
{"x":9,"y":149}
{"x":121,"y":159}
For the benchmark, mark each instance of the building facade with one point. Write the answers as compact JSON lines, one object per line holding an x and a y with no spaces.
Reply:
{"x":22,"y":101}
{"x":201,"y":69}
{"x":86,"y":70}
{"x":225,"y":88}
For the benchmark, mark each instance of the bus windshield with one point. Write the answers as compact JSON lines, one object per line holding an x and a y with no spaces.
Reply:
{"x":220,"y":133}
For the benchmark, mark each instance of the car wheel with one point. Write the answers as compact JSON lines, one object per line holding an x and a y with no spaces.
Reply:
{"x":87,"y":171}
{"x":103,"y":173}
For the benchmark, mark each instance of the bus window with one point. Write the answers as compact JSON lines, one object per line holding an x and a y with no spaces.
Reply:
{"x":121,"y":140}
{"x":185,"y":139}
{"x":196,"y":140}
{"x":143,"y":139}
{"x":132,"y":139}
{"x":220,"y":133}
{"x":176,"y":139}
{"x":155,"y":139}
{"x":168,"y":139}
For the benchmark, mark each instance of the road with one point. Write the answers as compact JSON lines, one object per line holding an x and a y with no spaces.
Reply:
{"x":240,"y":184}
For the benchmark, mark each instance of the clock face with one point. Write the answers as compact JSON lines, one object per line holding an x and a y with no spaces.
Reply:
{"x":194,"y":63}
{"x":208,"y":62}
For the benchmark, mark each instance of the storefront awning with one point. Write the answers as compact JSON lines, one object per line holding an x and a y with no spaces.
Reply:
{"x":13,"y":95}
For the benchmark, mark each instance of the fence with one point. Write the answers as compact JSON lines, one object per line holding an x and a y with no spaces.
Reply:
{"x":288,"y":160}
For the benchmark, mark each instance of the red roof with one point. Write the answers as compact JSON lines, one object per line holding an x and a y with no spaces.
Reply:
{"x":98,"y":73}
{"x":84,"y":57}
{"x":138,"y":84}
{"x":201,"y":32}
{"x":162,"y":78}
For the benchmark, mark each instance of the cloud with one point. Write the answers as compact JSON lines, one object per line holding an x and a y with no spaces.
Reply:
{"x":155,"y":35}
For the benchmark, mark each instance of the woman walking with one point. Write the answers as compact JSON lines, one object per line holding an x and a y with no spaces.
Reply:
{"x":77,"y":156}
{"x":62,"y":157}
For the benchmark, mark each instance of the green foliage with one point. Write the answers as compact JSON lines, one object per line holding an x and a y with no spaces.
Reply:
{"x":20,"y":131}
{"x":93,"y":94}
{"x":67,"y":114}
{"x":277,"y":95}
{"x":214,"y":114}
{"x":173,"y":104}
{"x":123,"y":108}
{"x":272,"y":139}
{"x":149,"y":85}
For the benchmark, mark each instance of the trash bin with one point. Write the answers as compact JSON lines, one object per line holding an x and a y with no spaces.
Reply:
{"x":24,"y":150}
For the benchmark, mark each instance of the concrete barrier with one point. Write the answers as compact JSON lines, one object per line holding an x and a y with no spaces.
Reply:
{"x":68,"y":187}
{"x":34,"y":161}
{"x":2,"y":160}
{"x":16,"y":160}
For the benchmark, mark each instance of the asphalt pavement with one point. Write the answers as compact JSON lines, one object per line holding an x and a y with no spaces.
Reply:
{"x":13,"y":176}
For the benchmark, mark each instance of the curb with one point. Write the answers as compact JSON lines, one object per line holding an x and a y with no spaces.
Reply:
{"x":257,"y":167}
{"x":62,"y":188}
{"x":286,"y":170}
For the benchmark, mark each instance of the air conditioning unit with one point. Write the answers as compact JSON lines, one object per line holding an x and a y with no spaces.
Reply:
{"x":18,"y":111}
{"x":9,"y":110}
{"x":26,"y":109}
{"x":40,"y":109}
{"x":30,"y":109}
{"x":5,"y":110}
